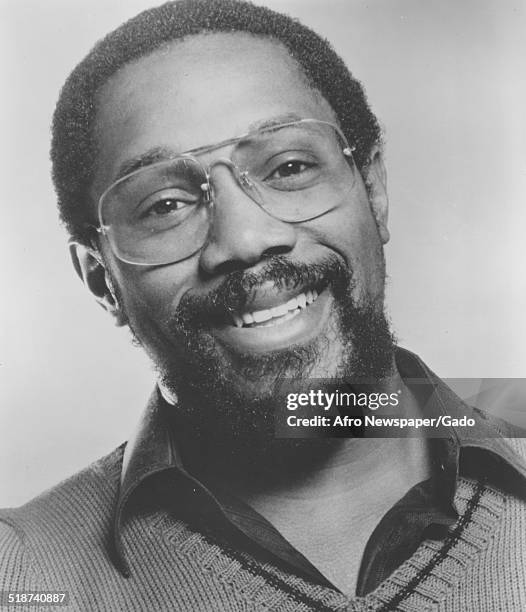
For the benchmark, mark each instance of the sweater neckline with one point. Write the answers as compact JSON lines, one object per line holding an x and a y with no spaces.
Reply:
{"x":424,"y":579}
{"x":419,"y":584}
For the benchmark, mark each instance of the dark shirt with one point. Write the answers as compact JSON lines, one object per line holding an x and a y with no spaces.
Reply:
{"x":153,"y":469}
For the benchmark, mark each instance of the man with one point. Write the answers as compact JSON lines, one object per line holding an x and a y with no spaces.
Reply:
{"x":221,"y":176}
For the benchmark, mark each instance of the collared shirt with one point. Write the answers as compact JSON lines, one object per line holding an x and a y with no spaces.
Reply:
{"x":153,"y":465}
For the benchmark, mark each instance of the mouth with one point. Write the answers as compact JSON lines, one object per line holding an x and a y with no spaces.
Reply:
{"x":277,"y":315}
{"x":277,"y":320}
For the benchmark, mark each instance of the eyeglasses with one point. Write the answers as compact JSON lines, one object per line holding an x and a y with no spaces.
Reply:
{"x":162,"y":213}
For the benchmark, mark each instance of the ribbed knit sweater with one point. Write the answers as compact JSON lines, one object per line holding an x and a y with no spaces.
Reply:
{"x":62,"y":540}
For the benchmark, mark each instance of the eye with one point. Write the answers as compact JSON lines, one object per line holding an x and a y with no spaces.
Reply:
{"x":166,"y":206}
{"x":290,"y":169}
{"x":162,"y":211}
{"x":170,"y":205}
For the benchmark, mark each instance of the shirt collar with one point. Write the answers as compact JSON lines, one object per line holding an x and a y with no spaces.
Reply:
{"x":490,"y":434}
{"x":149,"y":451}
{"x":153,"y":449}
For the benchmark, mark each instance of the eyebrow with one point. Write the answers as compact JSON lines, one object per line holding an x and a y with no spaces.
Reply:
{"x":149,"y":157}
{"x":268,"y":123}
{"x":159,"y":154}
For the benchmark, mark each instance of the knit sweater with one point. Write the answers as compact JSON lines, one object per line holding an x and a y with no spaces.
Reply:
{"x":115,"y":536}
{"x":62,"y":541}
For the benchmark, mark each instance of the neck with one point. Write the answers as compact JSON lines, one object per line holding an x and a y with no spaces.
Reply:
{"x":325,"y":496}
{"x":308,"y":469}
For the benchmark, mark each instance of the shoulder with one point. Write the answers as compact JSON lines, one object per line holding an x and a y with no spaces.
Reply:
{"x":78,"y":512}
{"x":94,"y":488}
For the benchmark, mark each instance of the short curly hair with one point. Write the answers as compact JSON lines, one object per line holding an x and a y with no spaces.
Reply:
{"x":73,"y":148}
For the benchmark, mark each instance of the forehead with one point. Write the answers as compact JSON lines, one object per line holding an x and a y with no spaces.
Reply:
{"x":195,"y":92}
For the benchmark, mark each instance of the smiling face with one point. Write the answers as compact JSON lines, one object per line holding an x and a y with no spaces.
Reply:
{"x":262,"y":298}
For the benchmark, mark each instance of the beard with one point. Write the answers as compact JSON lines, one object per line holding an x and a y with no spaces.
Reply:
{"x":228,"y":398}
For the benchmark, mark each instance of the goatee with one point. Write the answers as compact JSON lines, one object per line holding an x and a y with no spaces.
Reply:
{"x":229,"y":398}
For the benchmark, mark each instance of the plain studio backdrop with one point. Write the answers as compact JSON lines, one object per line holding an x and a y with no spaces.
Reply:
{"x":445,"y":77}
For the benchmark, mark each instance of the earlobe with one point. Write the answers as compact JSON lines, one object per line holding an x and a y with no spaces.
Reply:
{"x":89,"y":266}
{"x":376,"y":183}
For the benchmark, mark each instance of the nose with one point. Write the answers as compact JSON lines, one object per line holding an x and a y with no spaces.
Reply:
{"x":241,"y":232}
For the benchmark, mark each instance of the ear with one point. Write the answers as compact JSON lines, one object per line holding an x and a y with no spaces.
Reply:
{"x":376,"y":183}
{"x":89,"y":266}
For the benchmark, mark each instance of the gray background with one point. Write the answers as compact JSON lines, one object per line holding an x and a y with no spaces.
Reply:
{"x":446,"y":77}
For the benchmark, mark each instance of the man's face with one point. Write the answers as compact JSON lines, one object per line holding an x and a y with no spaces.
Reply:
{"x":204,"y":90}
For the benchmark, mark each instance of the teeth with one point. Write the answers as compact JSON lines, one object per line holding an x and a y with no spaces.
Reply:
{"x":284,"y":312}
{"x":279,"y":311}
{"x":289,"y":315}
{"x":262,"y":315}
{"x":302,"y":300}
{"x":247,"y":318}
{"x":292,"y":314}
{"x":238,"y":321}
{"x":292,"y":304}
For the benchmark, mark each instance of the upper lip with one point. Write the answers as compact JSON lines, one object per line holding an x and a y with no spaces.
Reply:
{"x":269,"y":296}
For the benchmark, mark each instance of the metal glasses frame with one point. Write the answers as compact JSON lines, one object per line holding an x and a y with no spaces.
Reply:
{"x":242,"y":176}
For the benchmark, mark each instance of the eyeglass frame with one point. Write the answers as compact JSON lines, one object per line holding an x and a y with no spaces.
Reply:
{"x":240,"y":176}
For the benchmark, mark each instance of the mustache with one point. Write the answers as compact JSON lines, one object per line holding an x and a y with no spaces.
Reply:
{"x":236,"y":290}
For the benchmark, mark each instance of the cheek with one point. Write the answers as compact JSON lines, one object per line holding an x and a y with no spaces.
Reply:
{"x":152,"y":294}
{"x":352,"y":232}
{"x":351,"y":229}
